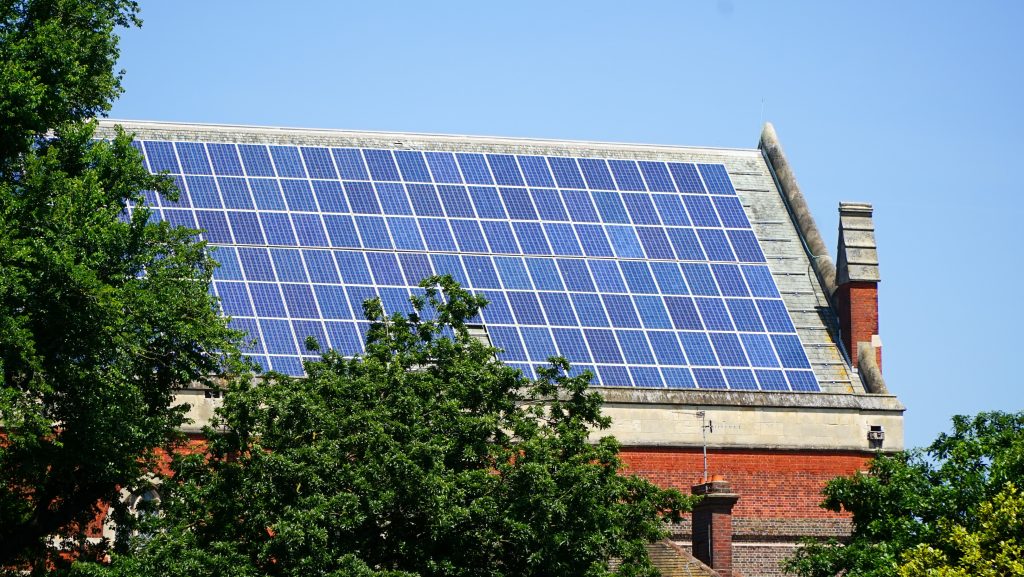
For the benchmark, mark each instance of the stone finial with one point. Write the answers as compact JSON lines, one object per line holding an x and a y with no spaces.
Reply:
{"x":858,"y":252}
{"x":820,"y":260}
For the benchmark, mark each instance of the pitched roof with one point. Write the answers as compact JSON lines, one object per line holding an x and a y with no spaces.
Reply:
{"x":674,"y":561}
{"x":744,"y":190}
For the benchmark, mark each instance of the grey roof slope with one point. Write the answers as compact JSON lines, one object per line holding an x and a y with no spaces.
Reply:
{"x":751,"y":174}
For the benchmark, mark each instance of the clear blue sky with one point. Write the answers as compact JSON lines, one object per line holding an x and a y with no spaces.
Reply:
{"x":915,"y":107}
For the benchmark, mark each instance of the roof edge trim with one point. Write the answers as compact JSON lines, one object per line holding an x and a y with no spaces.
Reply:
{"x":227,"y":129}
{"x":708,"y":397}
{"x":776,"y":159}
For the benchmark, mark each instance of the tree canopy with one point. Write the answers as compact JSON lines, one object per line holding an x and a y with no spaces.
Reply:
{"x":102,"y":315}
{"x":424,"y":456}
{"x":954,"y":509}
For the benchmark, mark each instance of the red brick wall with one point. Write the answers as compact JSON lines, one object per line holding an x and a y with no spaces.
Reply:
{"x":771,"y":483}
{"x":857,"y":306}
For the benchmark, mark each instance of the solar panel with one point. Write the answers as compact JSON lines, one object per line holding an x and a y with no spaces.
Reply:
{"x":646,"y":273}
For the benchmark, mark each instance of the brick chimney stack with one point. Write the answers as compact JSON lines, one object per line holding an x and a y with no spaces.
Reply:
{"x":856,"y":297}
{"x":712,"y":525}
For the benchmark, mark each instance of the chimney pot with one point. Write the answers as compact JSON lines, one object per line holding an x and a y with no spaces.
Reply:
{"x":712,"y":524}
{"x":857,"y":276}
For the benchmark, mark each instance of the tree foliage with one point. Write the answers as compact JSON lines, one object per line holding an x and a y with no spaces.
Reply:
{"x":954,"y":509}
{"x":102,"y":315}
{"x":424,"y":456}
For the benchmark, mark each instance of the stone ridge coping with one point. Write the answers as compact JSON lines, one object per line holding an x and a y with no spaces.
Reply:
{"x":147,"y":130}
{"x":750,"y":399}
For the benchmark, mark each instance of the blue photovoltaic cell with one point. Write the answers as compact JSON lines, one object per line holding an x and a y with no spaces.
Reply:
{"x":657,"y":177}
{"x":288,"y":265}
{"x":373,"y":232}
{"x":635,"y":348}
{"x":235,"y":193}
{"x":535,"y":169}
{"x":161,"y":157}
{"x":567,"y":173}
{"x":610,"y":207}
{"x":745,"y":244}
{"x":230,"y":268}
{"x":341,"y":231}
{"x":531,"y":237}
{"x":620,"y":311}
{"x":683,"y":313}
{"x":589,"y":309}
{"x":437,"y":234}
{"x":593,"y":239}
{"x":731,"y":212}
{"x":392,"y":197}
{"x":487,"y":202}
{"x":580,"y":206}
{"x":686,"y":177}
{"x":474,"y":168}
{"x":318,"y":163}
{"x":500,"y":237}
{"x":760,"y":281}
{"x":716,"y":178}
{"x":267,"y":194}
{"x":329,"y":195}
{"x":607,"y":276}
{"x":412,"y":166}
{"x":595,"y":172}
{"x":298,"y":195}
{"x":772,"y":380}
{"x":350,"y":164}
{"x":638,"y":277}
{"x":234,"y":299}
{"x":381,"y":164}
{"x":424,"y":200}
{"x":267,"y":298}
{"x":576,"y":275}
{"x":362,"y":198}
{"x":624,"y":241}
{"x":279,"y":229}
{"x":603,"y":346}
{"x":655,"y":242}
{"x":320,"y":265}
{"x":456,"y":201}
{"x":729,"y":280}
{"x":571,"y":345}
{"x":513,"y":273}
{"x":225,"y":159}
{"x":256,"y":160}
{"x":526,"y":308}
{"x":505,"y":170}
{"x":193,"y":158}
{"x":549,"y":204}
{"x":442,"y":165}
{"x":539,"y":343}
{"x":671,"y":209}
{"x":641,"y":208}
{"x":558,"y":308}
{"x":518,"y":203}
{"x":645,"y":273}
{"x":626,"y":174}
{"x":287,"y":161}
{"x":669,"y":278}
{"x":203,"y":192}
{"x":468,"y":235}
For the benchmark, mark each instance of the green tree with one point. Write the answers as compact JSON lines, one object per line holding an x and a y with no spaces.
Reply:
{"x":950,"y":510}
{"x":424,"y":456}
{"x":102,"y":315}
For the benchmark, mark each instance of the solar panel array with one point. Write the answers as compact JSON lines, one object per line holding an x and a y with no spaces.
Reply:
{"x":647,"y":273}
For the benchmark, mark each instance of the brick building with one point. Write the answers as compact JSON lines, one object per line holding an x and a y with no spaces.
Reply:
{"x":734,"y":357}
